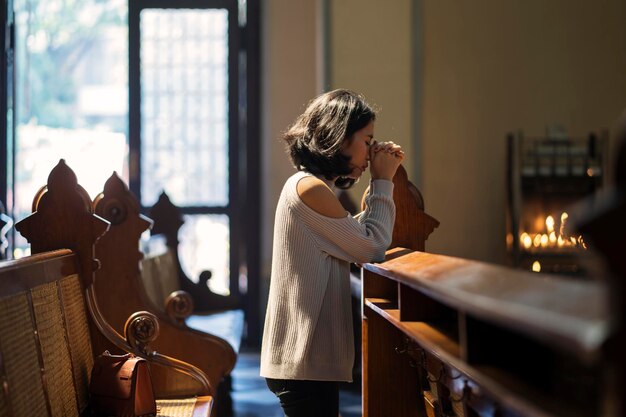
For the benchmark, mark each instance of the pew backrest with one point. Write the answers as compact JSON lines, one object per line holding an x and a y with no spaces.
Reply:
{"x":159,"y":276}
{"x":44,"y":336}
{"x":168,"y":220}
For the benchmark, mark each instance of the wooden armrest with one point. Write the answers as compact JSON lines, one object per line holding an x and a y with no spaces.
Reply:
{"x":140,"y":329}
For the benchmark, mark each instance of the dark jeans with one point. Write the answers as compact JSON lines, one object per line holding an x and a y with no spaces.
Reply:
{"x":306,"y":398}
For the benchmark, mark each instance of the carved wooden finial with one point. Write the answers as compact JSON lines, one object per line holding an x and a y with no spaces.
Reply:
{"x":413,"y":225}
{"x":120,"y":207}
{"x":63,"y":219}
{"x":167,"y":220}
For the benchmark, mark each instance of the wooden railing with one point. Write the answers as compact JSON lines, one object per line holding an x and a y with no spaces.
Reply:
{"x":445,"y":336}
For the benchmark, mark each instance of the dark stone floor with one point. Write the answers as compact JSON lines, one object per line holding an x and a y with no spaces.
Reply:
{"x":251,"y":397}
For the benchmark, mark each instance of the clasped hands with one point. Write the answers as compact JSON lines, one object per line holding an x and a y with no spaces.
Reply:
{"x":385,"y":158}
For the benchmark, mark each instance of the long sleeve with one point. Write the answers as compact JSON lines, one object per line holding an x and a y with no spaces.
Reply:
{"x":361,"y":239}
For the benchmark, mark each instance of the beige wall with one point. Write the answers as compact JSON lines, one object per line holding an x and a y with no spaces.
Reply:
{"x":370,"y":52}
{"x":493,"y":66}
{"x":289,"y":79}
{"x":487,"y":67}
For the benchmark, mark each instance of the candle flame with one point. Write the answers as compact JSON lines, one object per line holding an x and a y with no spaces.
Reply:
{"x":564,"y":217}
{"x":550,"y":224}
{"x":536,"y":266}
{"x":526,"y":240}
{"x":551,"y":239}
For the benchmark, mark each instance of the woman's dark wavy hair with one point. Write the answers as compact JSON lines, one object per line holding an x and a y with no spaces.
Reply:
{"x":315,"y":139}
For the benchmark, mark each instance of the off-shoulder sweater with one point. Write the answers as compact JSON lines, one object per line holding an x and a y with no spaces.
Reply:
{"x":308,"y":326}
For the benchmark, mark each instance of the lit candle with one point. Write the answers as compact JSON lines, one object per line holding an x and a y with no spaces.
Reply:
{"x":537,"y":240}
{"x":544,"y":240}
{"x":536,"y":266}
{"x":550,"y":224}
{"x":552,"y":238}
{"x":526,"y":240}
{"x":563,"y":220}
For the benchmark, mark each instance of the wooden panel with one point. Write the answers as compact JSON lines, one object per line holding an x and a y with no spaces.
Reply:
{"x":389,"y":375}
{"x":21,"y":275}
{"x":425,"y":334}
{"x":376,"y":287}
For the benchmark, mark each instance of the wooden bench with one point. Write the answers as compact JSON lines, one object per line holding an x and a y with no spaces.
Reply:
{"x":167,"y":221}
{"x":445,"y":336}
{"x":49,"y":317}
{"x":163,"y":276}
{"x":170,"y":288}
{"x":159,"y":274}
{"x":120,"y":278}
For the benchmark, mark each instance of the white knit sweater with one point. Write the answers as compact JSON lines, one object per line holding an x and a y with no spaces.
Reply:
{"x":308,"y":325}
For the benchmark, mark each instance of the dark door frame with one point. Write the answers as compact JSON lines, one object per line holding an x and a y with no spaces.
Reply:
{"x":244,"y":146}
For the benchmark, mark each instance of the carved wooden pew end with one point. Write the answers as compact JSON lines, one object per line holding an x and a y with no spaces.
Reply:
{"x":49,"y":317}
{"x":125,"y":274}
{"x":211,"y":313}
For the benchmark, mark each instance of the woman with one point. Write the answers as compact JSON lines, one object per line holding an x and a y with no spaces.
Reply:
{"x":307,"y":341}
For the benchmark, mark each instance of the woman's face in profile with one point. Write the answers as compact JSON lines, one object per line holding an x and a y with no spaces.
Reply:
{"x":358,"y":149}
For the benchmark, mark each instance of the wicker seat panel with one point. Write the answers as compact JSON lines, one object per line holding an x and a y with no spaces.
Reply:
{"x":54,"y":349}
{"x":78,"y":335}
{"x":176,"y":408}
{"x":21,"y":360}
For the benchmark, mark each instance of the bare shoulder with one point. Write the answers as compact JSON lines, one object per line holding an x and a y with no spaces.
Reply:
{"x":315,"y":194}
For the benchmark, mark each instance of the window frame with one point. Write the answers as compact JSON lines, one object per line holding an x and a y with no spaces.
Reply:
{"x":244,"y":133}
{"x":242,"y":240}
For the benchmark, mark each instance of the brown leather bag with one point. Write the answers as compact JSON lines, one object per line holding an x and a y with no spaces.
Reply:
{"x":121,"y":386}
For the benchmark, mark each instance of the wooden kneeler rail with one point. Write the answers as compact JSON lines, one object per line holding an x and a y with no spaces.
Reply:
{"x":445,"y":336}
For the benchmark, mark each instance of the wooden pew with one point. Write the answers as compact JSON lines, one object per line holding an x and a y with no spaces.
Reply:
{"x":161,"y":283}
{"x":189,"y":305}
{"x":49,"y":317}
{"x":445,"y":336}
{"x":168,"y":220}
{"x":120,"y":290}
{"x":163,"y":276}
